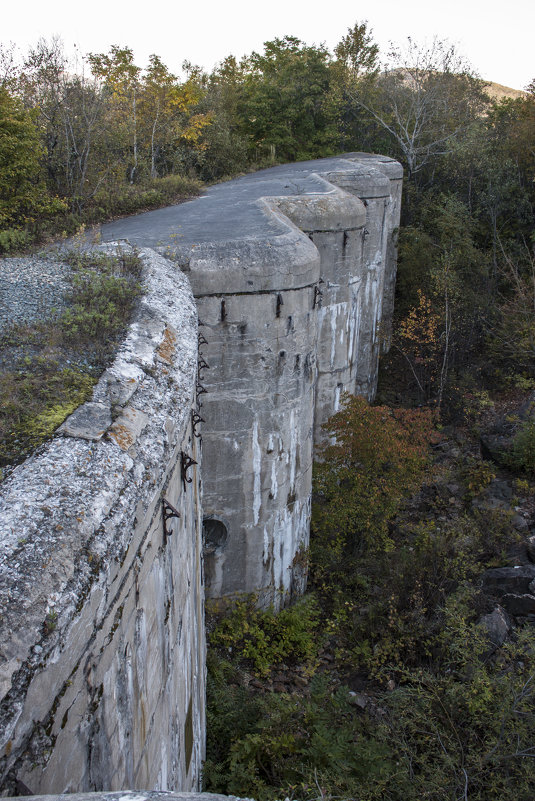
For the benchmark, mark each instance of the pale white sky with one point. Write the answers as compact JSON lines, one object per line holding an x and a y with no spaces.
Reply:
{"x":496,"y":37}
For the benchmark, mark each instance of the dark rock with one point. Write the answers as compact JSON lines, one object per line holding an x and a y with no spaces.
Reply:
{"x":489,"y":502}
{"x":278,"y":687}
{"x":502,"y":580}
{"x":530,"y":545}
{"x":519,"y":604}
{"x":517,"y":554}
{"x":519,"y":523}
{"x":494,"y":447}
{"x":500,"y":489}
{"x":497,"y":625}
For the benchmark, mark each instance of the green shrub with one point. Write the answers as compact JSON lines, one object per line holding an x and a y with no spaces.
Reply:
{"x":522,"y":455}
{"x":270,"y":746}
{"x":13,"y":239}
{"x":477,"y":475}
{"x":266,"y":639}
{"x":121,"y":198}
{"x":104,"y":290}
{"x":464,"y":726}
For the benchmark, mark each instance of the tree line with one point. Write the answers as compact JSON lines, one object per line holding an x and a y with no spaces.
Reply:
{"x":85,"y":141}
{"x":102,"y":120}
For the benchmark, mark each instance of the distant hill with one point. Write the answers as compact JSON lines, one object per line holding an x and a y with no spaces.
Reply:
{"x":499,"y":92}
{"x":496,"y":91}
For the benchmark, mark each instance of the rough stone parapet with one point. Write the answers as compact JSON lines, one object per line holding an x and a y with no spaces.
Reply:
{"x":132,"y":795}
{"x":101,"y":612}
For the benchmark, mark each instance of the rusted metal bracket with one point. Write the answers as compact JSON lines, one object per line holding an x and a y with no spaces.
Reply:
{"x":168,"y":512}
{"x":200,"y":391}
{"x":365,"y":233}
{"x":202,"y":339}
{"x":202,"y":365}
{"x":318,"y":295}
{"x":195,"y":420}
{"x":185,"y":463}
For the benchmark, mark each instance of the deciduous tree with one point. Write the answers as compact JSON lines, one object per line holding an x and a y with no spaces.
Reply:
{"x":426,"y":98}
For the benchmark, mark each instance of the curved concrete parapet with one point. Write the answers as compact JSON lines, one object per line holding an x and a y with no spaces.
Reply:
{"x":101,"y":599}
{"x":293,"y":270}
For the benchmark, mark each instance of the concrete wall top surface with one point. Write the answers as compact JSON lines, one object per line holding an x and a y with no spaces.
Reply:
{"x":231,"y":240}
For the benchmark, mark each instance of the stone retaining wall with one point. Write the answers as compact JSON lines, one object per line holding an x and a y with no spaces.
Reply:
{"x":102,"y":654}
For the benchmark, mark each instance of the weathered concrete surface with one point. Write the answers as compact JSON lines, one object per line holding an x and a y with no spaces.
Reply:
{"x":101,"y":612}
{"x":290,"y":268}
{"x":133,"y":795}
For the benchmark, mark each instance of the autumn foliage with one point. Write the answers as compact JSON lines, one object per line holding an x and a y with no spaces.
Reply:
{"x":375,"y":457}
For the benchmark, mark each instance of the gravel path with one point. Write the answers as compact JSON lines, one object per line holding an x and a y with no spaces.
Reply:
{"x":31,"y":287}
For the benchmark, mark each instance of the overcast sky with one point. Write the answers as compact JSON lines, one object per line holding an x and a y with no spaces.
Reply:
{"x":497,"y":38}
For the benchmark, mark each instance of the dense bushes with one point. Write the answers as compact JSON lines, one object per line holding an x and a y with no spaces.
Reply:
{"x":265,"y":639}
{"x":439,"y":712}
{"x":23,"y":196}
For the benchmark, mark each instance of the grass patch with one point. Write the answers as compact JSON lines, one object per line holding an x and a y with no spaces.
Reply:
{"x":49,"y":368}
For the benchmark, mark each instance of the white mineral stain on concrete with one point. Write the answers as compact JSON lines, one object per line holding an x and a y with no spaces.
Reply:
{"x":274,"y":484}
{"x":267,"y":543}
{"x":257,"y":467}
{"x":293,"y":450}
{"x":290,"y":531}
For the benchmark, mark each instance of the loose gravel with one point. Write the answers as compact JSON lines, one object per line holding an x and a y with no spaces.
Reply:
{"x":32,"y":288}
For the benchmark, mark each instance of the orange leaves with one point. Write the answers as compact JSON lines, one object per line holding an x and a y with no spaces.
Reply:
{"x":379,"y":455}
{"x":421,"y":329}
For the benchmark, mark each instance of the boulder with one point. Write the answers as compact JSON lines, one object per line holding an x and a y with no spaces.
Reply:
{"x":519,"y":604}
{"x":517,"y":554}
{"x":530,"y":544}
{"x":497,"y":625}
{"x":503,"y":580}
{"x":520,"y":523}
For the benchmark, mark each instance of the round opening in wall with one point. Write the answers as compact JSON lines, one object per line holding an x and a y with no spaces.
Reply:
{"x":215,"y":533}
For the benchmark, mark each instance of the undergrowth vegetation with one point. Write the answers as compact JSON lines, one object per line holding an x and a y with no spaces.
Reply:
{"x":48,"y":368}
{"x":266,"y":640}
{"x":381,"y":683}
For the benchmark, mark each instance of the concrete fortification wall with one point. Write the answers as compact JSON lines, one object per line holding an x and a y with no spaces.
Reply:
{"x":101,"y":597}
{"x":101,"y":605}
{"x":293,"y":316}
